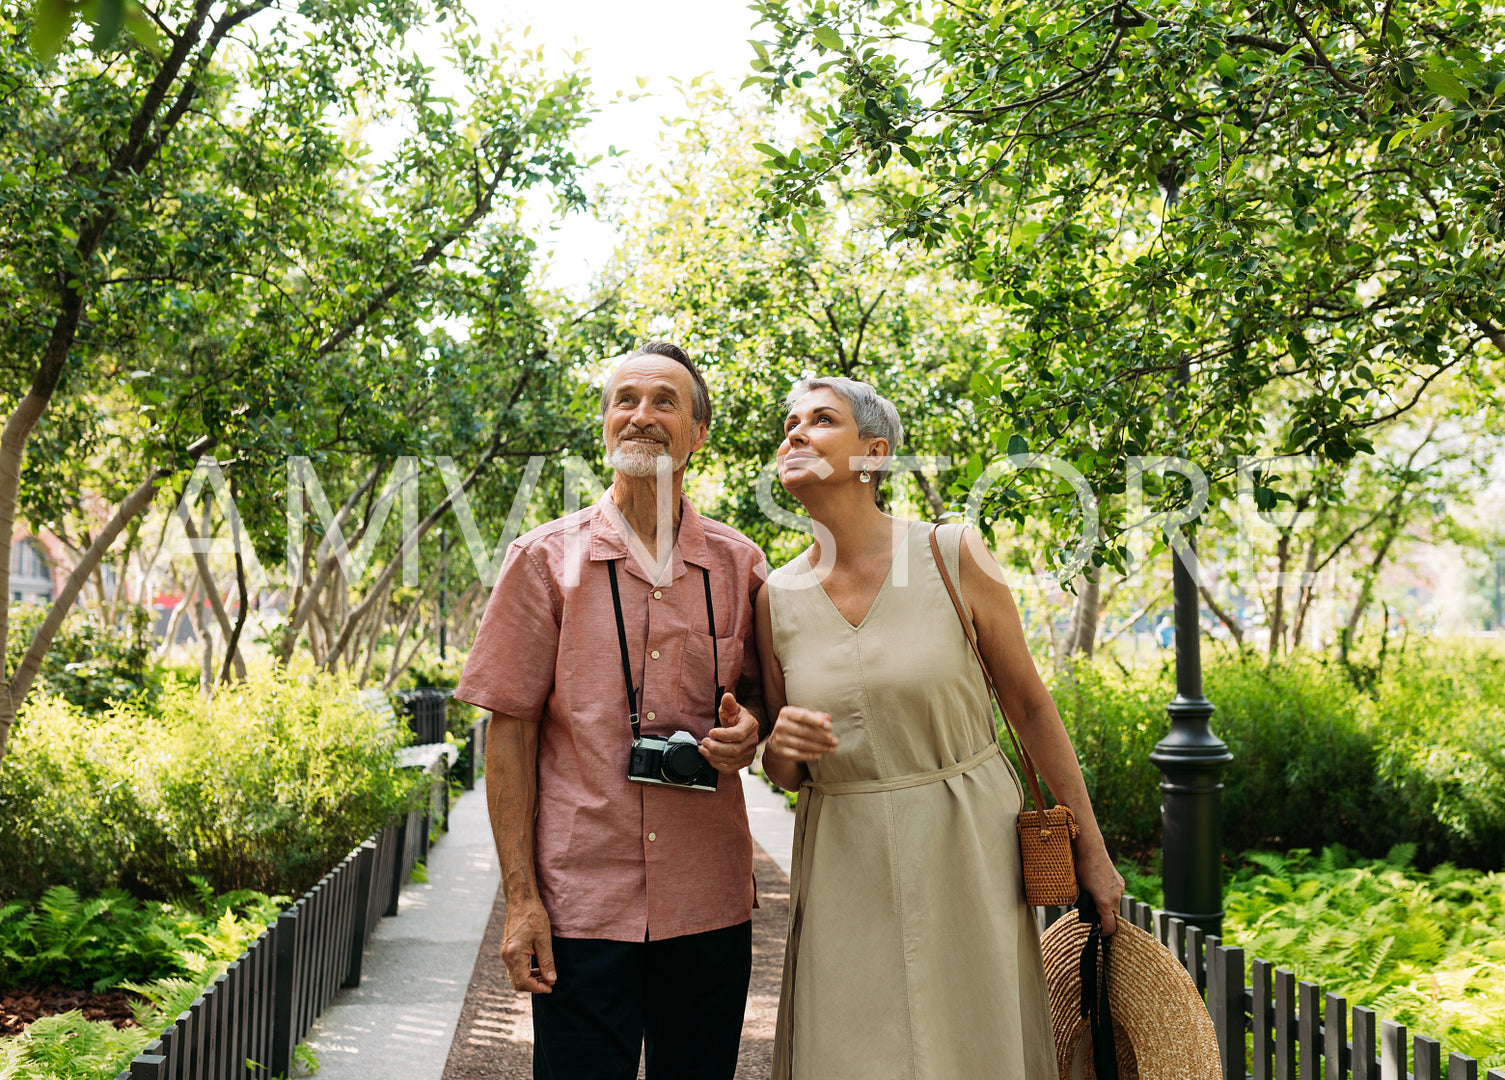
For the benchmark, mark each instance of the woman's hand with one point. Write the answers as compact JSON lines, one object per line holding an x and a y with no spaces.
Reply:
{"x":1096,"y":874}
{"x":800,"y":735}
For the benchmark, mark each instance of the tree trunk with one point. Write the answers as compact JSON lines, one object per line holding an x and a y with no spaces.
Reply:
{"x":1307,"y":592}
{"x":325,"y":560}
{"x":377,"y":623}
{"x":1082,"y":638}
{"x":176,"y":618}
{"x":1278,"y":604}
{"x":211,"y":590}
{"x":19,"y":684}
{"x":1366,"y":586}
{"x":932,"y":497}
{"x":1227,"y":620}
{"x":232,"y":644}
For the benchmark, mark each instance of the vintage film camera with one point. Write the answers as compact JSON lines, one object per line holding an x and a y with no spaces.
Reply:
{"x":674,"y":760}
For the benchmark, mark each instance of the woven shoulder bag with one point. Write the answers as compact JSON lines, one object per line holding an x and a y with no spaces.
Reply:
{"x":1045,"y":836}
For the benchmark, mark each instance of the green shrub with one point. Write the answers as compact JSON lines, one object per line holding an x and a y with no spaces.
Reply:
{"x":89,"y":663}
{"x":1419,"y":758}
{"x":265,"y":787}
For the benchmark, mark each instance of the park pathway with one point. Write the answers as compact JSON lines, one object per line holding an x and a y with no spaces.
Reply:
{"x":434,"y":1001}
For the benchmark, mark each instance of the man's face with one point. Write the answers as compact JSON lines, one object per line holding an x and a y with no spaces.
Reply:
{"x":650,"y":414}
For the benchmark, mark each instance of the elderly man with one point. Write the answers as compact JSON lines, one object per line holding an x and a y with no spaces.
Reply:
{"x":617,"y":658}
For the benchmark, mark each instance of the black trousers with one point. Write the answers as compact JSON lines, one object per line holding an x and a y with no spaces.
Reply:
{"x":681,"y":999}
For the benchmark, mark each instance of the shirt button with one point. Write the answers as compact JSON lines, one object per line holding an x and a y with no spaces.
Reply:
{"x":658,"y":594}
{"x":653,"y":716}
{"x":655,"y":654}
{"x":653,"y":836}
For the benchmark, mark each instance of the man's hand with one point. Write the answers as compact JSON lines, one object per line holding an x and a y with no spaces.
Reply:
{"x":526,"y":937}
{"x":731,"y":746}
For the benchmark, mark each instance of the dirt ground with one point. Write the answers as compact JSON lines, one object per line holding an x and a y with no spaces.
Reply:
{"x":494,"y":1040}
{"x":19,"y":1007}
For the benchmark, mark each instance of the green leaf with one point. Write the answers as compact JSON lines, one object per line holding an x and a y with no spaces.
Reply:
{"x":764,"y":148}
{"x":109,"y":16}
{"x":759,"y":48}
{"x":798,"y":221}
{"x":827,"y":37}
{"x":1227,"y":65}
{"x":1018,"y":444}
{"x":143,"y":30}
{"x":51,"y":22}
{"x":1447,"y":84}
{"x":909,"y":154}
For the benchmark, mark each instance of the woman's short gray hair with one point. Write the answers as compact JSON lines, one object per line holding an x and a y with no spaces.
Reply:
{"x":875,"y":415}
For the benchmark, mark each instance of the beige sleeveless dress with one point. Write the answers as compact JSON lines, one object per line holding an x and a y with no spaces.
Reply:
{"x":911,"y":951}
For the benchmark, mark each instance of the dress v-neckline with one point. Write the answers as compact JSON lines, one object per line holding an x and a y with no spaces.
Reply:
{"x":888,"y":578}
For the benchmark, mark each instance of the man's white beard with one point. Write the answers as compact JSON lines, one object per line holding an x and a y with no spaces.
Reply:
{"x":640,"y":460}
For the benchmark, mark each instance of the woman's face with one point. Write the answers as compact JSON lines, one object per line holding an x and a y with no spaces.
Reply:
{"x":820,"y":442}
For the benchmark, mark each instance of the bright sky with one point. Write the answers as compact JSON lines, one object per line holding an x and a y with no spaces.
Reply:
{"x":659,"y":40}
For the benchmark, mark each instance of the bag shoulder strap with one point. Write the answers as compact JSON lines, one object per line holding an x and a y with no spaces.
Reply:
{"x":956,"y":602}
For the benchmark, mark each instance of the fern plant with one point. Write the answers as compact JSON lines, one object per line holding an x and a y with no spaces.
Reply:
{"x":1426,"y":949}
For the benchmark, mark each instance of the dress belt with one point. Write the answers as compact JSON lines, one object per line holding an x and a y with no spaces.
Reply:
{"x":806,"y":814}
{"x":894,"y":783}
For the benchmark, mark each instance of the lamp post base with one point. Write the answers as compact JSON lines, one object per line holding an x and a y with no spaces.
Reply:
{"x":1191,"y":760}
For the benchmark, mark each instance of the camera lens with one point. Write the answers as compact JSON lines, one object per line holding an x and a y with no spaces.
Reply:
{"x":681,"y":762}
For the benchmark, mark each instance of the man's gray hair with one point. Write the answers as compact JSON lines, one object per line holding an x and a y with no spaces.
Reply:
{"x":875,"y":415}
{"x":700,"y":397}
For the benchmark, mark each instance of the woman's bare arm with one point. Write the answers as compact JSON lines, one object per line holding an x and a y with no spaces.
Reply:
{"x":1028,"y":704}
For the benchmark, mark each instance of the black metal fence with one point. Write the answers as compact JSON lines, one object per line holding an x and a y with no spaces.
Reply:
{"x":1277,"y":1027}
{"x":425,"y":711}
{"x":475,"y":752}
{"x":248,"y":1022}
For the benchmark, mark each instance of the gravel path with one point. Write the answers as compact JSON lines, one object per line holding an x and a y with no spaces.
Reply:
{"x":494,"y":1040}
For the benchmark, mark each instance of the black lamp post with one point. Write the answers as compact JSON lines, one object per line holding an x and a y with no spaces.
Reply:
{"x":1191,"y":760}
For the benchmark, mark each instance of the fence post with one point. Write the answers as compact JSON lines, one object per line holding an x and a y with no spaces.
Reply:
{"x":473,"y":747}
{"x":1462,"y":1067}
{"x":1392,"y":1050}
{"x":1362,"y":1062}
{"x":1285,"y":1024}
{"x":364,"y":867}
{"x":1261,"y":972}
{"x":283,"y":1039}
{"x":399,"y":852}
{"x":1335,"y":1037}
{"x":1310,"y":1050}
{"x":148,"y":1067}
{"x":1426,"y":1058}
{"x":1230,"y":970}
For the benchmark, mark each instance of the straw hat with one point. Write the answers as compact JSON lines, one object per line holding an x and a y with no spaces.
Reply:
{"x":1161,"y":1029}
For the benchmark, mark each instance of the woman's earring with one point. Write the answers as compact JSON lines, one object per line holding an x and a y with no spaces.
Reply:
{"x":866,"y":477}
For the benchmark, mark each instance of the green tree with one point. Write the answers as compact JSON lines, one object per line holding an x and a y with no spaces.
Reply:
{"x":764,"y":303}
{"x":200,"y":249}
{"x":1194,"y":214}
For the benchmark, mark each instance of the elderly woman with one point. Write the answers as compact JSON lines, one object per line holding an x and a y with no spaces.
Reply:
{"x":911,"y":950}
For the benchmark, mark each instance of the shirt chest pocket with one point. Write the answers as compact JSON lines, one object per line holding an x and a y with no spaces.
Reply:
{"x":697,"y":685}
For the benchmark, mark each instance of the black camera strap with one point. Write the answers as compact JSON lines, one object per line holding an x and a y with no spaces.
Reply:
{"x":632,"y":692}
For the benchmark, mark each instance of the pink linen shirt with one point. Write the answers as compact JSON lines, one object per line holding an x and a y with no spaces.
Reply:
{"x":616,"y":859}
